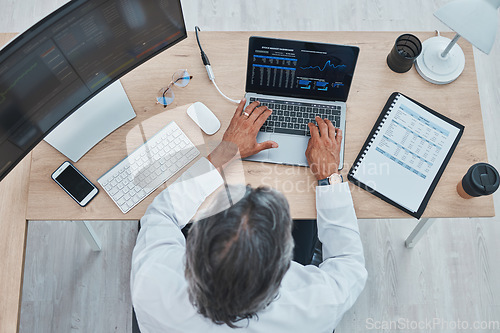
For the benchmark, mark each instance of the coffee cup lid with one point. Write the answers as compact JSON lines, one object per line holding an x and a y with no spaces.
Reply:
{"x":485,"y":178}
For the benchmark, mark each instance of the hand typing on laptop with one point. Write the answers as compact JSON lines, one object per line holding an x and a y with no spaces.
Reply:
{"x":323,"y":149}
{"x":245,"y":125}
{"x":240,"y":136}
{"x":239,"y":140}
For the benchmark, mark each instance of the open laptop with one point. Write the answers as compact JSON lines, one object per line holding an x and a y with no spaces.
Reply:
{"x":298,"y":81}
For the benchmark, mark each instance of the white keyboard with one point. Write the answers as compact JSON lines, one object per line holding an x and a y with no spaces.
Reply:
{"x":149,"y":166}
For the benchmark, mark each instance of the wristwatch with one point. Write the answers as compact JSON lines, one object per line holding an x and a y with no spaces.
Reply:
{"x":335,"y":178}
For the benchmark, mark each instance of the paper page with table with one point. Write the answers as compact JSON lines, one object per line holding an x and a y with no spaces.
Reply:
{"x":405,"y":153}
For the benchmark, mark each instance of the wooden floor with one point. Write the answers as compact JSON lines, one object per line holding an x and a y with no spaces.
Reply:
{"x":68,"y":287}
{"x":451,"y":275}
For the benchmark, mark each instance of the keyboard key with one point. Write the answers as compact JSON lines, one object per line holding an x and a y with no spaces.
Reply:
{"x":289,"y":125}
{"x":280,"y":112}
{"x":287,"y":113}
{"x":296,"y":108}
{"x":293,"y":114}
{"x":290,"y":108}
{"x":289,"y":131}
{"x":136,"y":198}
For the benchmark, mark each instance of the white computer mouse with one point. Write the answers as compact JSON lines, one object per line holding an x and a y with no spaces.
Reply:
{"x":204,"y":118}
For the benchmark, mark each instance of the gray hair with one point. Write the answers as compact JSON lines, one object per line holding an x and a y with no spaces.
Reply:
{"x":236,"y":259}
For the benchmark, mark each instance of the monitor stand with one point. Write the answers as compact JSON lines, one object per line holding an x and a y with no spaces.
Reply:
{"x":92,"y":122}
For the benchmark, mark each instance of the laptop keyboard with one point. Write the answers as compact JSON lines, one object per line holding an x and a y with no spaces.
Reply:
{"x":292,"y":117}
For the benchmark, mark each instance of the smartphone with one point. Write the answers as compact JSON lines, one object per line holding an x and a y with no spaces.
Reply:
{"x":75,"y":183}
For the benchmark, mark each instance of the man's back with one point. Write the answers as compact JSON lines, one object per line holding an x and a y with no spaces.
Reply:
{"x":310,"y":297}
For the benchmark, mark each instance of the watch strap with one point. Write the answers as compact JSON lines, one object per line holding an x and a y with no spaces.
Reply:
{"x":324,"y":182}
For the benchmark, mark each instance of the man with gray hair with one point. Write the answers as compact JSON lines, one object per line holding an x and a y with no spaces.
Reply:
{"x":235,"y":270}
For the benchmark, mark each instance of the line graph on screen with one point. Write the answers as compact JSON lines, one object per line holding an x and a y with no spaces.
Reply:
{"x":328,"y":64}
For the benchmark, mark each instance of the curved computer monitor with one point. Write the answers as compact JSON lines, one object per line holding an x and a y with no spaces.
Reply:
{"x":64,"y":60}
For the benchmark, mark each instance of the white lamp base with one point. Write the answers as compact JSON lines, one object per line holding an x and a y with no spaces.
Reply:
{"x":435,"y":68}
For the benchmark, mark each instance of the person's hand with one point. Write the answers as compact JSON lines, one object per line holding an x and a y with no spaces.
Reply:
{"x":323,"y":149}
{"x":241,"y":134}
{"x":244,"y":127}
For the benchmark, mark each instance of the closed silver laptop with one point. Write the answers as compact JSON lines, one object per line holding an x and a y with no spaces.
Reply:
{"x":298,"y":81}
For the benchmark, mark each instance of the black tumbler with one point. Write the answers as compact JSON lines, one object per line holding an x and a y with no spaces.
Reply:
{"x":406,"y":49}
{"x":480,"y":179}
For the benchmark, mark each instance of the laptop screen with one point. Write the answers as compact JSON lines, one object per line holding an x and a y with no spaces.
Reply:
{"x":300,"y":69}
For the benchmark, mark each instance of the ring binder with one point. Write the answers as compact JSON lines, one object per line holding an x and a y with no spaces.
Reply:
{"x":401,"y":139}
{"x":355,"y":167}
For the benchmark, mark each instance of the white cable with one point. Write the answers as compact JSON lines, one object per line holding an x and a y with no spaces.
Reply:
{"x":229,"y":99}
{"x":210,"y":72}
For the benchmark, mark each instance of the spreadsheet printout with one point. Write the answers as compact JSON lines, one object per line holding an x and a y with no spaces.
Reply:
{"x":406,"y":153}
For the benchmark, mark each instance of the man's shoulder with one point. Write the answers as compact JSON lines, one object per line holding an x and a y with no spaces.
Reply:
{"x":305,"y":283}
{"x":160,"y":267}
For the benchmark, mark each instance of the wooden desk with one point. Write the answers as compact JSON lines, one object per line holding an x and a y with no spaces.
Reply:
{"x":372,"y":85}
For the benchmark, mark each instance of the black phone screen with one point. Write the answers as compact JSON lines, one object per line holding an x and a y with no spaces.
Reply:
{"x":74,"y":183}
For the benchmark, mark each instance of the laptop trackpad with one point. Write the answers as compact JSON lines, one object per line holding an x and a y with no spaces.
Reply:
{"x":291,"y":150}
{"x":262,"y":156}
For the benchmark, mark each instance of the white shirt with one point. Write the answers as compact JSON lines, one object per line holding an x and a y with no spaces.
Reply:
{"x":311,"y":299}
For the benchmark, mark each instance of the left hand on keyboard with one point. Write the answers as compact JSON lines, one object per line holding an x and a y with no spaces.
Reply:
{"x":245,"y":125}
